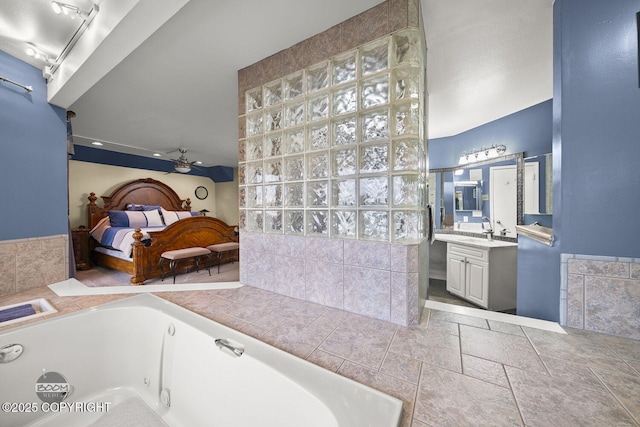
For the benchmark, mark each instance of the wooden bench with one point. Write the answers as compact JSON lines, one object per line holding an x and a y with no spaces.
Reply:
{"x":221,"y":248}
{"x":179,"y":254}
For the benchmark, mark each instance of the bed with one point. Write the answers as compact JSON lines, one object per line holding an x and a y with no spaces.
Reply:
{"x":137,"y":250}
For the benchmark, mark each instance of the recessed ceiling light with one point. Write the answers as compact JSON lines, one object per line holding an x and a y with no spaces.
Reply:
{"x":157,"y":155}
{"x":96,"y":143}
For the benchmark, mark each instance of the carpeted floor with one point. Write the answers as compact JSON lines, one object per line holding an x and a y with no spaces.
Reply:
{"x":103,"y":276}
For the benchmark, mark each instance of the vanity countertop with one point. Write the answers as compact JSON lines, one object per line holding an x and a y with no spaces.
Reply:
{"x":477,"y":242}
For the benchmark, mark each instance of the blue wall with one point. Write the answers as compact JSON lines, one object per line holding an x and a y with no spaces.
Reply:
{"x":596,"y":153}
{"x":600,"y":127}
{"x":33,"y":156}
{"x":527,"y":131}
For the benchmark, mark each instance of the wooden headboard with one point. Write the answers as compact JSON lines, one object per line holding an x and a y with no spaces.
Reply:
{"x":145,"y":191}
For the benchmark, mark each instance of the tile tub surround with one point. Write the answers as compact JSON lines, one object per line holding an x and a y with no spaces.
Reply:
{"x":379,"y":280}
{"x":31,"y":263}
{"x":451,"y":369}
{"x":601,"y":294}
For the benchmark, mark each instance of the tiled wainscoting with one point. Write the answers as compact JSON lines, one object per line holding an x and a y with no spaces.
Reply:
{"x":380,"y":280}
{"x":30,"y":263}
{"x":601,"y":294}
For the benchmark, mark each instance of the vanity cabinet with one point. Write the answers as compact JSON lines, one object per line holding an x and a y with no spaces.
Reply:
{"x":483,"y":276}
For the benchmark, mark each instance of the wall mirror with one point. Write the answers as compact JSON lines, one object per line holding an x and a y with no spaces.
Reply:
{"x":491,"y":188}
{"x":538,"y":185}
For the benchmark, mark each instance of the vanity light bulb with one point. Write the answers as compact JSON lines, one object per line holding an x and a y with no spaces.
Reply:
{"x":57,"y":9}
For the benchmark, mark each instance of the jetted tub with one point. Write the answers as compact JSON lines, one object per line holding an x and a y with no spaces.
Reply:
{"x":146,"y":361}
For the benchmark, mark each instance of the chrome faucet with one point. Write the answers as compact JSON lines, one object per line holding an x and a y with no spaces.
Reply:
{"x":488,"y":230}
{"x":504,"y":230}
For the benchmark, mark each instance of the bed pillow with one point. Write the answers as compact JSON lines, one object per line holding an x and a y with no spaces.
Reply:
{"x":174,"y":216}
{"x":136,"y":207}
{"x":135,"y":219}
{"x":97,"y":231}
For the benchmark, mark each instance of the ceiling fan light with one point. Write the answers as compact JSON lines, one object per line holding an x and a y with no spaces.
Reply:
{"x":183,"y":169}
{"x":57,"y":7}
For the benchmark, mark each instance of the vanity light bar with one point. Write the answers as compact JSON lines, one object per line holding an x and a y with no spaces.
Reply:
{"x":483,"y":153}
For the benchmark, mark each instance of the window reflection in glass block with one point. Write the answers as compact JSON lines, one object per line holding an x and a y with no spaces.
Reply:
{"x":407,"y":116}
{"x":255,"y":221}
{"x":294,"y":114}
{"x":242,"y":151}
{"x":273,"y":171}
{"x":343,"y":224}
{"x":294,"y":222}
{"x":294,"y":195}
{"x":344,"y":67}
{"x":345,"y":162}
{"x":374,"y":158}
{"x":242,"y":219}
{"x":242,"y":197}
{"x":344,"y":131}
{"x":273,"y":221}
{"x":374,"y":191}
{"x":374,"y":57}
{"x":273,"y":93}
{"x":254,"y":196}
{"x":273,"y":144}
{"x":407,"y":226}
{"x":406,"y":83}
{"x":318,"y":77}
{"x":242,"y":174}
{"x":318,"y":136}
{"x":374,"y":91}
{"x":318,"y":107}
{"x":406,"y":154}
{"x":254,"y":148}
{"x":407,"y":190}
{"x":344,"y":100}
{"x":254,"y":173}
{"x":375,"y":125}
{"x":317,"y":223}
{"x":406,"y":46}
{"x":294,"y":168}
{"x":317,"y":165}
{"x":254,"y":124}
{"x":294,"y":141}
{"x":317,"y":193}
{"x":374,"y":225}
{"x":273,"y":195}
{"x":273,"y":119}
{"x":293,"y":86}
{"x":253,"y":99}
{"x":343,"y":192}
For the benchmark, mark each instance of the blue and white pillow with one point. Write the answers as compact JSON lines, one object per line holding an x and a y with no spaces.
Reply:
{"x":135,"y":219}
{"x":174,"y":216}
{"x":136,"y":207}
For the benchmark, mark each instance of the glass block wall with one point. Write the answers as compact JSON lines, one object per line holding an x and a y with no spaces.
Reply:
{"x":338,"y":149}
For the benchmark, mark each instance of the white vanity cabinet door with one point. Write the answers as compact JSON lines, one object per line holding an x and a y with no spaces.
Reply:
{"x":485,"y":277}
{"x":456,"y":274}
{"x":477,"y":282}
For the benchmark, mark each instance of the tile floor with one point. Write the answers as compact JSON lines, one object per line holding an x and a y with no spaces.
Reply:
{"x":451,"y":370}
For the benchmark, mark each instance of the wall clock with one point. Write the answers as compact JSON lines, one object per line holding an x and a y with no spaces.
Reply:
{"x":201,"y":192}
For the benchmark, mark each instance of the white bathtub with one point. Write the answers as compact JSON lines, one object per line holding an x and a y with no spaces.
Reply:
{"x":146,"y":361}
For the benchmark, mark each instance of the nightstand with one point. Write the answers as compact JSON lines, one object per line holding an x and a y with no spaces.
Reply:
{"x":80,"y":238}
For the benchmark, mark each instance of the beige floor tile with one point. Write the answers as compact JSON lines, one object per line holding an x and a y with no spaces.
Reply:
{"x":548,"y":401}
{"x":507,"y":328}
{"x":501,"y":348}
{"x":484,"y":370}
{"x":326,"y":360}
{"x":443,"y":326}
{"x":429,"y":346}
{"x":625,"y":388}
{"x":447,"y":398}
{"x":459,"y":318}
{"x":401,"y":367}
{"x":366,"y":346}
{"x":575,"y":372}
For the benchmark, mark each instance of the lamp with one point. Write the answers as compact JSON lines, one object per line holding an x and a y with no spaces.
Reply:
{"x":183,"y":168}
{"x":483,"y":153}
{"x":71,"y":11}
{"x":203,"y":212}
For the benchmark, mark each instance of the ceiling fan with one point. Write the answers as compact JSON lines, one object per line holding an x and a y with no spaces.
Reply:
{"x":183,"y":165}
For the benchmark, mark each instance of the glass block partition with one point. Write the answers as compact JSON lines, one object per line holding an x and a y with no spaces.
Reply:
{"x":338,"y":149}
